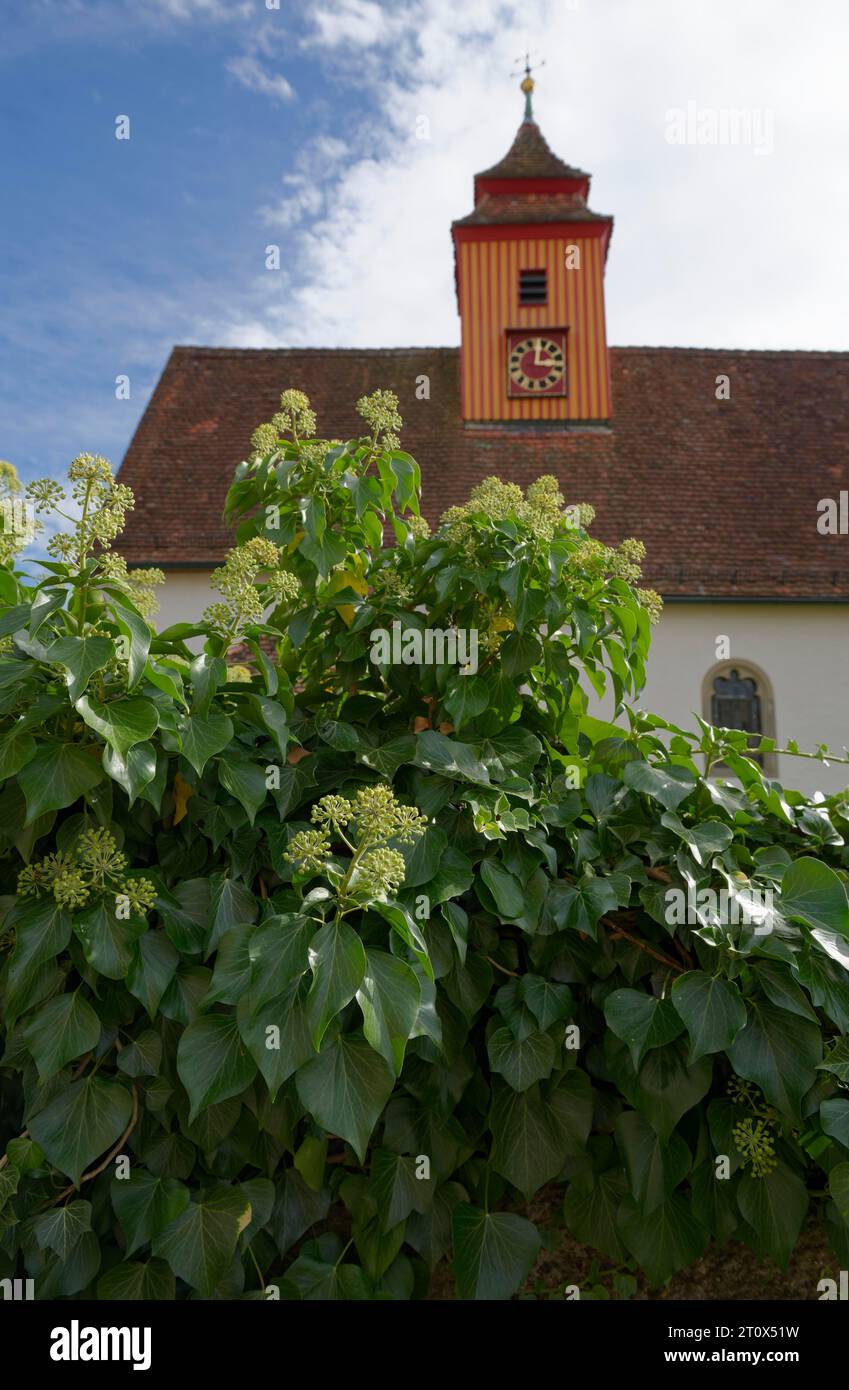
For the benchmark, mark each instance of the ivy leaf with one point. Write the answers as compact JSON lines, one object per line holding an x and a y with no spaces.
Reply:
{"x":122,"y":723}
{"x":133,"y":626}
{"x":641,"y":1021}
{"x":507,"y":892}
{"x":338,"y":964}
{"x":591,"y":1210}
{"x":389,"y":996}
{"x":133,"y":770}
{"x":837,"y":1060}
{"x":246,"y":781}
{"x":396,"y":1189}
{"x":780,"y":1052}
{"x":449,"y":758}
{"x":135,"y":1282}
{"x":108,"y":941}
{"x":528,"y":1148}
{"x":654,"y":1168}
{"x":467,"y":697}
{"x":60,"y":1229}
{"x":143,"y":1056}
{"x":81,"y":1123}
{"x":345,"y":1089}
{"x":834,"y":1118}
{"x":231,"y":904}
{"x":279,"y":952}
{"x":58,"y":775}
{"x":145,"y":1204}
{"x":41,"y":931}
{"x":201,"y":1242}
{"x":712,"y":1009}
{"x":521,"y":1062}
{"x":81,"y":657}
{"x":493,"y":1252}
{"x":61,"y":1030}
{"x":838,"y":1186}
{"x":213,"y":1062}
{"x":547,"y":1001}
{"x":203,"y":738}
{"x":775,"y":1207}
{"x":277,"y":1053}
{"x":152,"y":969}
{"x":813,"y":893}
{"x":672,"y":1239}
{"x":16,"y":750}
{"x":704,"y":840}
{"x":666,"y":783}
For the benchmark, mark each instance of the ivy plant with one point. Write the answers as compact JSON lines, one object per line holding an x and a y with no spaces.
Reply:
{"x":335,"y":926}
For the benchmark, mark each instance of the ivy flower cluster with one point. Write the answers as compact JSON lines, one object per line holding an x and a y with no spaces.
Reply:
{"x":595,"y":560}
{"x":93,"y":867}
{"x":375,"y":817}
{"x":139,"y":584}
{"x":236,"y":580}
{"x":294,"y":417}
{"x":541,"y":509}
{"x":380,"y":412}
{"x":103,"y":505}
{"x":752,"y":1137}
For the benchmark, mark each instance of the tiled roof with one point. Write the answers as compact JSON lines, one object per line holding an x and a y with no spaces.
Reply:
{"x":529,"y":157}
{"x":723,"y":492}
{"x":529,"y":207}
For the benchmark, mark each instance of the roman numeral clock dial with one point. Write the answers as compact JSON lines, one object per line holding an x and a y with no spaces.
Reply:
{"x":536,"y":363}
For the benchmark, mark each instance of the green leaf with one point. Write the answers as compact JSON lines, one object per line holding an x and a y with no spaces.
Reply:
{"x":59,"y":1031}
{"x":506,"y":890}
{"x":837,"y":1060}
{"x":389,"y":996}
{"x":345,"y":1088}
{"x":276,"y":1032}
{"x":231,"y":904}
{"x":338,"y":964}
{"x":654,"y":1168}
{"x":838,"y":1186}
{"x":203,"y":738}
{"x":133,"y":770}
{"x":279,"y":951}
{"x":449,"y":758}
{"x":521,"y":1061}
{"x":58,"y":775}
{"x":704,"y":840}
{"x":152,"y":969}
{"x":60,"y":1229}
{"x":528,"y":1148}
{"x":81,"y":1123}
{"x":672,"y":1239}
{"x":396,"y":1189}
{"x":712,"y":1009}
{"x":591,"y":1209}
{"x":780,"y":1052}
{"x":134,"y":626}
{"x":143,"y":1056}
{"x":834,"y":1118}
{"x":137,"y":1282}
{"x":665,"y":1087}
{"x":213,"y":1062}
{"x":775,"y":1207}
{"x":493,"y":1252}
{"x":81,"y":657}
{"x":466,"y":698}
{"x":666,"y":783}
{"x":122,"y":723}
{"x":811,"y":892}
{"x":16,"y":750}
{"x":108,"y":941}
{"x":201,"y":1242}
{"x":547,"y":1001}
{"x":145,"y":1204}
{"x":246,"y":781}
{"x":641,"y":1021}
{"x":41,"y":931}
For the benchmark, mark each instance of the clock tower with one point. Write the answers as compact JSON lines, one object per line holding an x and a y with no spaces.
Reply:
{"x":530,"y":287}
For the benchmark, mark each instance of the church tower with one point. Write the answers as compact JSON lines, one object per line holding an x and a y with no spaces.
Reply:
{"x":530,"y":287}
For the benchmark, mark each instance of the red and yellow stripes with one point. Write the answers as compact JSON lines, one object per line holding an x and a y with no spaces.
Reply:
{"x":488,"y":274}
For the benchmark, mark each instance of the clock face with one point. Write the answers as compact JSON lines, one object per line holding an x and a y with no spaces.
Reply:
{"x":536,"y":363}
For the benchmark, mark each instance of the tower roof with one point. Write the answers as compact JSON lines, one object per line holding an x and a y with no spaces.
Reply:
{"x":529,"y":157}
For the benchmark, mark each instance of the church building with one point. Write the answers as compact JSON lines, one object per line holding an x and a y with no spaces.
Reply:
{"x":732,"y":466}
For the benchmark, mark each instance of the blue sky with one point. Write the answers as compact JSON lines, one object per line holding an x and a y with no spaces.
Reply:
{"x":302,"y":126}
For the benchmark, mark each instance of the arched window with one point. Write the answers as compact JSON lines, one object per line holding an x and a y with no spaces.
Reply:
{"x":738,"y":695}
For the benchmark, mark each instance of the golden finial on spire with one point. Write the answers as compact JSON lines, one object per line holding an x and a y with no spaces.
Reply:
{"x":527,"y":84}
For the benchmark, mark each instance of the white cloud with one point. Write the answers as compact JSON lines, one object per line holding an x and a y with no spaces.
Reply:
{"x":251,"y":74}
{"x":713,"y":245}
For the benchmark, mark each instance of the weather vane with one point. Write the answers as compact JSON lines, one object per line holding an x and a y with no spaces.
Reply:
{"x":527,"y":84}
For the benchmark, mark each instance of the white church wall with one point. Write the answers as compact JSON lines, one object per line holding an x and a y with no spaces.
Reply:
{"x":803,"y":649}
